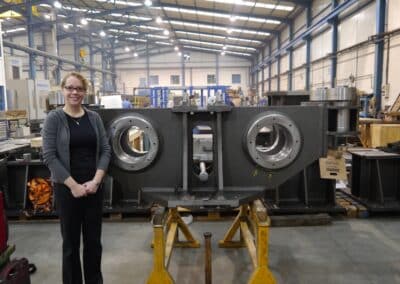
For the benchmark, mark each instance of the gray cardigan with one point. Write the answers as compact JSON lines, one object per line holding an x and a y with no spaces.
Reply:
{"x":56,"y":136}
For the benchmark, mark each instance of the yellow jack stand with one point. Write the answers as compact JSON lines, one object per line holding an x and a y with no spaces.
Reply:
{"x":253,"y":223}
{"x":163,"y":249}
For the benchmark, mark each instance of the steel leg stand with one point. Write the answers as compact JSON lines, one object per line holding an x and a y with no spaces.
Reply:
{"x":253,"y":223}
{"x":163,"y":247}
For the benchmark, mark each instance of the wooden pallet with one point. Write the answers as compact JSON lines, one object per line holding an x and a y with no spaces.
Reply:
{"x":354,"y":209}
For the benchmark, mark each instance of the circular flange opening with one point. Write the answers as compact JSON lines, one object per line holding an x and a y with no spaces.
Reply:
{"x":273,"y":140}
{"x":134,"y":142}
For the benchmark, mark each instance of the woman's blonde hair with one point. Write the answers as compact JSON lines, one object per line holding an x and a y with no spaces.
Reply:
{"x":79,"y":76}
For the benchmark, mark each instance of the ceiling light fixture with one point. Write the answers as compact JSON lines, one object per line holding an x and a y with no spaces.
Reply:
{"x":166,"y":32}
{"x":57,"y":4}
{"x":84,"y":21}
{"x":158,"y":20}
{"x":127,"y":49}
{"x":176,"y":48}
{"x":232,"y":18}
{"x":148,"y":3}
{"x":255,"y":4}
{"x":135,"y":54}
{"x":102,"y":33}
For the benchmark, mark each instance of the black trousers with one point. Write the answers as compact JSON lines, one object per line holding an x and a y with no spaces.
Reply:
{"x":80,"y":215}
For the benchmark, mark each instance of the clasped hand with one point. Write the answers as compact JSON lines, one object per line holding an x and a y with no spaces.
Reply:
{"x":80,"y":190}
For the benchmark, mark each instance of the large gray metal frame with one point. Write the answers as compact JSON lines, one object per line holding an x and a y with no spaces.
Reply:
{"x":235,"y":177}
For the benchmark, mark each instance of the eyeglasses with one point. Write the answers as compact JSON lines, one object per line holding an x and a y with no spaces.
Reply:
{"x":77,"y":89}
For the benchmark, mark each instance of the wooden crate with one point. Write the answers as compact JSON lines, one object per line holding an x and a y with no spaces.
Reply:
{"x":382,"y":134}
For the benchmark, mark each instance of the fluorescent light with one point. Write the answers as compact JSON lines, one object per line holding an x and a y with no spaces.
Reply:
{"x":232,"y":18}
{"x":255,"y":4}
{"x":216,"y":50}
{"x":124,"y":3}
{"x":228,"y":30}
{"x":163,"y":43}
{"x":119,"y":15}
{"x":150,"y":28}
{"x":224,"y":47}
{"x":57,"y":4}
{"x":15,"y":30}
{"x":157,"y":36}
{"x":123,"y":32}
{"x":219,"y":37}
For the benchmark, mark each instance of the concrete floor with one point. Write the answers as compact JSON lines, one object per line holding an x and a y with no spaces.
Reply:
{"x":348,"y":251}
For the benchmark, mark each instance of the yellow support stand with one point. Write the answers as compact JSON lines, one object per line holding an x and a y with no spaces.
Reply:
{"x":163,"y":248}
{"x":252,"y":223}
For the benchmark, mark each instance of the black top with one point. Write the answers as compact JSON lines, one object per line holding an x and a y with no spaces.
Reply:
{"x":82,"y":147}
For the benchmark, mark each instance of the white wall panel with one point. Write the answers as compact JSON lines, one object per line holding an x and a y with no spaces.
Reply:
{"x":320,"y":74}
{"x":359,"y":64}
{"x":285,"y":36}
{"x":274,"y":84}
{"x":357,"y":28}
{"x":300,"y":23}
{"x":274,"y":44}
{"x":393,"y":14}
{"x":394,"y":71}
{"x":318,"y":7}
{"x":299,"y":56}
{"x":284,"y":83}
{"x":299,"y":79}
{"x":274,"y":69}
{"x":321,"y":45}
{"x":284,"y":63}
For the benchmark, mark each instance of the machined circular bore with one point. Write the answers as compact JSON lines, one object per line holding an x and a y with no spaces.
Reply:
{"x":130,"y":155}
{"x":273,"y":140}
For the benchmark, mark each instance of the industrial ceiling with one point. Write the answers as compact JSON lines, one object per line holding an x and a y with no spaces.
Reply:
{"x":231,"y":27}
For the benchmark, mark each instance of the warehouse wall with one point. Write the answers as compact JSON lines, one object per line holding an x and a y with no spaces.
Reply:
{"x":394,"y":53}
{"x":131,"y":70}
{"x":196,"y":70}
{"x":355,"y":66}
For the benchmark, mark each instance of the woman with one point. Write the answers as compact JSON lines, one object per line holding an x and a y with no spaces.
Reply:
{"x":76,"y":150}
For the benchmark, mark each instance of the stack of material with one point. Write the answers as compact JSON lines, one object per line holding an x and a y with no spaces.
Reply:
{"x":382,"y":134}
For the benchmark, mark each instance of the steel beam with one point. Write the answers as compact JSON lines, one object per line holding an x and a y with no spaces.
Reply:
{"x":281,"y":19}
{"x":318,"y":24}
{"x":278,"y":64}
{"x":32,"y":68}
{"x":308,"y":48}
{"x":269,"y":67}
{"x":50,"y":56}
{"x":290,"y":59}
{"x":334,"y":24}
{"x":379,"y":49}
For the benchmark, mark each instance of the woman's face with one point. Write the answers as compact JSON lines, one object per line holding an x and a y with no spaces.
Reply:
{"x":73,"y":91}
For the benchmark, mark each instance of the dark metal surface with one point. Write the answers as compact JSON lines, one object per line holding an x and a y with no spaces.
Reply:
{"x":375,"y":181}
{"x":240,"y":172}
